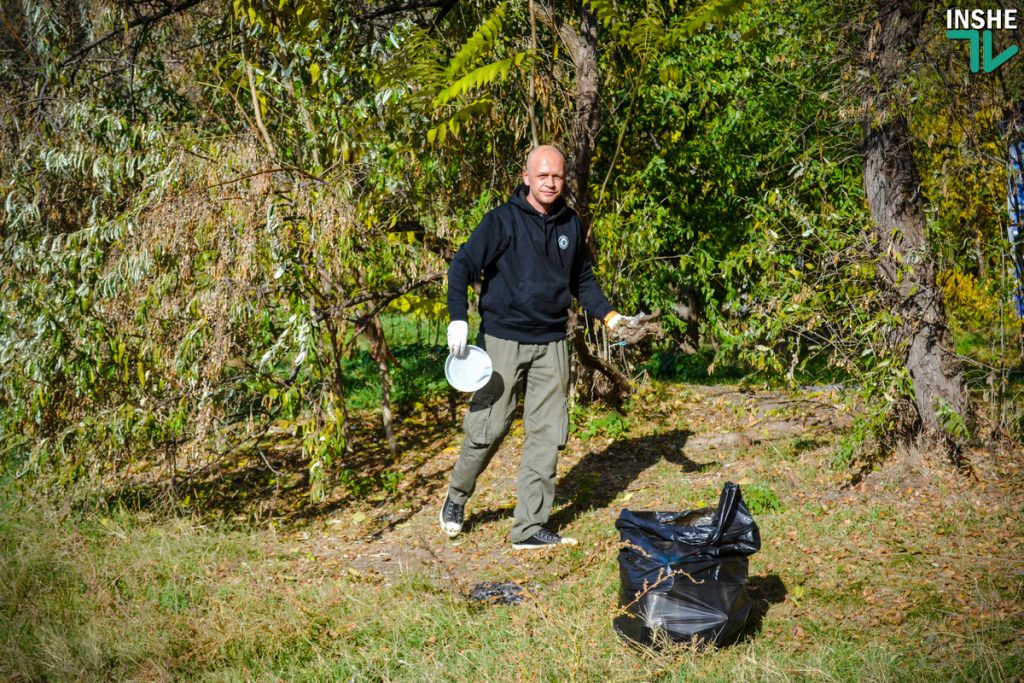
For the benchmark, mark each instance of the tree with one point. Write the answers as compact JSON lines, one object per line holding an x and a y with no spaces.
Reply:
{"x":905,"y":263}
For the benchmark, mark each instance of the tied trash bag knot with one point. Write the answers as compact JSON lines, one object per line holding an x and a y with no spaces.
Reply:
{"x":684,"y":574}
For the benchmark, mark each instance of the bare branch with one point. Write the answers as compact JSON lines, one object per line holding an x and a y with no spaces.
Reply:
{"x":147,"y":20}
{"x":399,"y":7}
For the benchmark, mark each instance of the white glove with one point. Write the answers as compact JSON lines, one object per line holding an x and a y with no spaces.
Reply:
{"x":458,"y":337}
{"x":627,"y":320}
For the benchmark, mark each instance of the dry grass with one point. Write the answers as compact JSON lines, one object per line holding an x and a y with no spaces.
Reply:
{"x":904,"y":577}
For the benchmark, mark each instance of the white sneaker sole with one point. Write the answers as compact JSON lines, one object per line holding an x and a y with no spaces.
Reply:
{"x":449,"y":531}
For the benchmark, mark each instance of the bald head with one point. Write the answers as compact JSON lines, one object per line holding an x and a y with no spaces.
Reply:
{"x":544,"y":177}
{"x":543,"y":150}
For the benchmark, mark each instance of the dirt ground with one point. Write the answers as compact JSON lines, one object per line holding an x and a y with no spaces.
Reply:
{"x":876,"y":548}
{"x":706,"y":430}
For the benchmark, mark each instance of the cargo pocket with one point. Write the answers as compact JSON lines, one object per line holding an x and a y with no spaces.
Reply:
{"x":476,"y":425}
{"x":479,"y":421}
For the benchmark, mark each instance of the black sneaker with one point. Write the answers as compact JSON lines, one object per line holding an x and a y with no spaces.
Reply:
{"x":451,"y":517}
{"x":543,"y":539}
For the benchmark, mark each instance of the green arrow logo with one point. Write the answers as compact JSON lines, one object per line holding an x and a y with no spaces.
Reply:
{"x":981,"y":49}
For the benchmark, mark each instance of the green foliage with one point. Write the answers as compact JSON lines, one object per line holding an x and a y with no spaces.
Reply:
{"x":691,"y":368}
{"x":167,"y":291}
{"x":479,"y":43}
{"x":761,"y":500}
{"x":360,"y":486}
{"x":721,"y":204}
{"x":952,"y":422}
{"x":708,"y":12}
{"x":659,"y":29}
{"x":609,"y":424}
{"x":479,"y":77}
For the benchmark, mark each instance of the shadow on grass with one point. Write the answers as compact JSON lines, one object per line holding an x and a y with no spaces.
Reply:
{"x":596,"y":480}
{"x":487,"y":516}
{"x":255,"y":485}
{"x":765,"y":591}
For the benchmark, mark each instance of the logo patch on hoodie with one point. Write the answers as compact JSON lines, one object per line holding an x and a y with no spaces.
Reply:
{"x":563,"y":242}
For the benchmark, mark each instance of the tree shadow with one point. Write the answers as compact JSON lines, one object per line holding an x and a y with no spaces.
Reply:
{"x":596,"y":480}
{"x":253,"y":485}
{"x":765,"y":591}
{"x":488,"y":515}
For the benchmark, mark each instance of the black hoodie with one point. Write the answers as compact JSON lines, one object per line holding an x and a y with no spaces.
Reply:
{"x":531,"y":264}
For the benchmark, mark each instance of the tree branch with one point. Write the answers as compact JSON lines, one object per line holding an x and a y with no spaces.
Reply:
{"x":382,"y":297}
{"x":141,"y":21}
{"x":256,"y":109}
{"x":397,"y":7}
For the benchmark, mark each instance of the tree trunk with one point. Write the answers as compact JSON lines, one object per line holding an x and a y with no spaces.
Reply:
{"x":586,"y":122}
{"x":905,"y":266}
{"x":338,"y":379}
{"x":600,"y":378}
{"x":381,"y":356}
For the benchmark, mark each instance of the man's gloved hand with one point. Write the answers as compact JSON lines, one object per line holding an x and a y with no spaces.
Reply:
{"x":458,"y":337}
{"x":624,"y":320}
{"x":632,"y":329}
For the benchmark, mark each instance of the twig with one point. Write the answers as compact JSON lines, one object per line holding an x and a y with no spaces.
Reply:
{"x":141,"y":21}
{"x":256,"y":108}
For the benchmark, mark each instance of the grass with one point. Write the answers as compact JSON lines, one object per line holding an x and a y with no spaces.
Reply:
{"x":916,"y":578}
{"x":870,"y":590}
{"x":419,"y":349}
{"x":115,"y":599}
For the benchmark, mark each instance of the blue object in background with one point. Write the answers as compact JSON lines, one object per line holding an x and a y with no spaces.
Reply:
{"x":1015,"y":208}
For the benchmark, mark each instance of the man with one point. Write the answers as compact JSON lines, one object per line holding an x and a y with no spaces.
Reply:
{"x":532,"y":258}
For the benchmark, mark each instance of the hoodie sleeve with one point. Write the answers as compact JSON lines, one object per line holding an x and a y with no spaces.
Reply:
{"x":483,"y":246}
{"x":585,"y":287}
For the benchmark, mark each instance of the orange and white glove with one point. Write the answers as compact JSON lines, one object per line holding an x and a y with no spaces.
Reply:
{"x":614,"y":319}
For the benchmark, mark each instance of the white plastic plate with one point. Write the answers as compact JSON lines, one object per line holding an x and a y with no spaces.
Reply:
{"x":471,"y":372}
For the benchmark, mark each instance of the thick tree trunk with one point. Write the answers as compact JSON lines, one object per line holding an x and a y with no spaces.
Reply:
{"x":586,"y":123}
{"x":587,"y":120}
{"x":905,"y":264}
{"x":599,"y":378}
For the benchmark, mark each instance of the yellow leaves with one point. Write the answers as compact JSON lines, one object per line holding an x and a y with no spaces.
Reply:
{"x":400,"y":237}
{"x":314,"y":72}
{"x":416,"y":305}
{"x":288,"y":18}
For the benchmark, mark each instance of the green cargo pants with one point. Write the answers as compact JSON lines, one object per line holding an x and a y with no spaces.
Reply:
{"x":541,"y":373}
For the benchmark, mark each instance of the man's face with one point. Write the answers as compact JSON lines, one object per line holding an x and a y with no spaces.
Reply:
{"x":544,"y":175}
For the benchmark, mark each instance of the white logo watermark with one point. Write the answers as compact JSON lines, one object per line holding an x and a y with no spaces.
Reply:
{"x":977,"y":25}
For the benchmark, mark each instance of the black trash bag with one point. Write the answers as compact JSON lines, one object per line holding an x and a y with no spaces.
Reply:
{"x":684,"y":574}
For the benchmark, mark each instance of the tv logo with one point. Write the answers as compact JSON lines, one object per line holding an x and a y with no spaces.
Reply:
{"x":976,"y":25}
